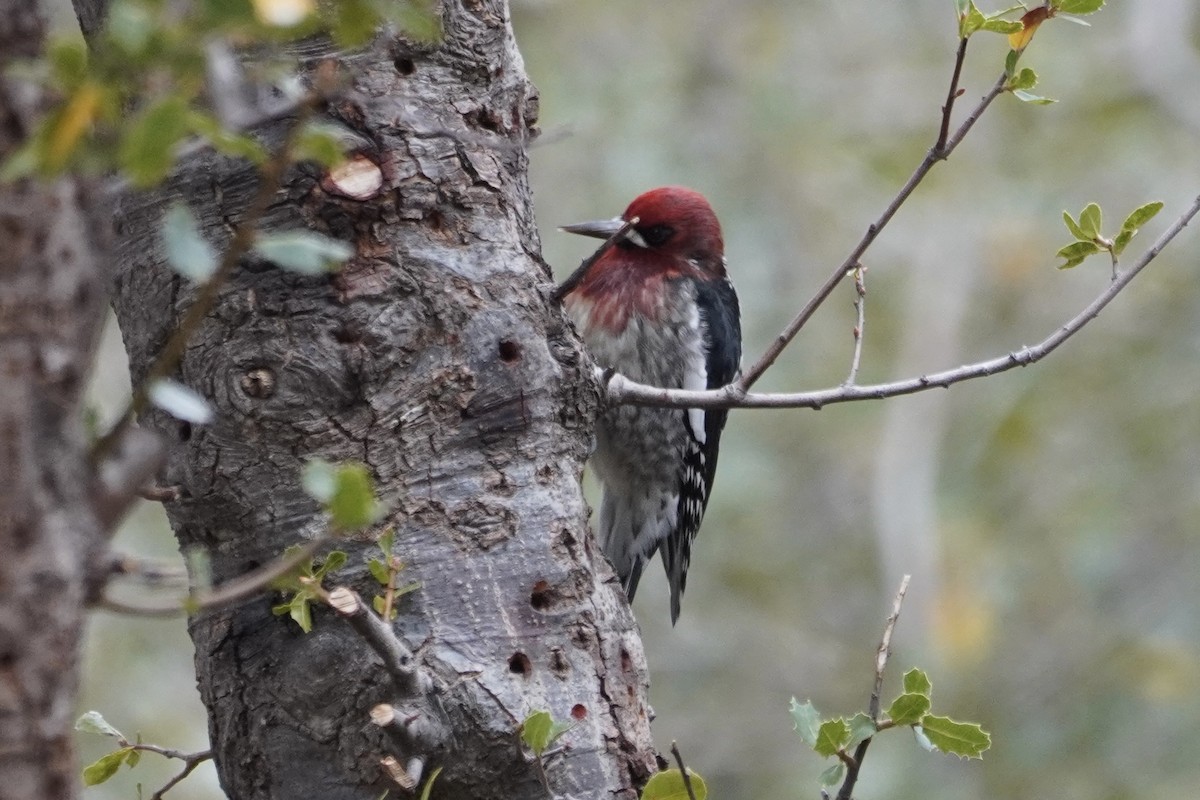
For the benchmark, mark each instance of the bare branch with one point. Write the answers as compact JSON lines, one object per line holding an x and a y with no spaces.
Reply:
{"x":397,"y":659}
{"x":935,"y":154}
{"x":190,"y":762}
{"x":860,"y":323}
{"x":952,"y":95}
{"x":622,"y":390}
{"x":683,"y":770}
{"x":854,"y":764}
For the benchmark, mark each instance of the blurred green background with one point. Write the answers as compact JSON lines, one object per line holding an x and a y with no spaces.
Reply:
{"x":1049,"y":516}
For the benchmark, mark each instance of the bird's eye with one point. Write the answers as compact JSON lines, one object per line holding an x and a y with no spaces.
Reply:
{"x":657,"y":235}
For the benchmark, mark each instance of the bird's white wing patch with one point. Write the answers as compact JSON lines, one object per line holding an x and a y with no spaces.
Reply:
{"x":695,"y":378}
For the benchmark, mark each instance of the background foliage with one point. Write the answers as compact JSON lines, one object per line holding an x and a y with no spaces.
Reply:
{"x":1050,"y":517}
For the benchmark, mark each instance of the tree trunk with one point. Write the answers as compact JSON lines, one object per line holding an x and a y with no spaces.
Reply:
{"x":52,"y":245}
{"x":435,"y":358}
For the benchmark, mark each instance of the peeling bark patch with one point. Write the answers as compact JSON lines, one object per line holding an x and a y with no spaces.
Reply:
{"x":258,"y":383}
{"x":519,"y":664}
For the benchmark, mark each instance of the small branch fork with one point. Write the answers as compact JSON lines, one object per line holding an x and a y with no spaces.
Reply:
{"x":414,"y":720}
{"x":854,"y":763}
{"x":622,"y":390}
{"x":190,"y":762}
{"x":860,"y":324}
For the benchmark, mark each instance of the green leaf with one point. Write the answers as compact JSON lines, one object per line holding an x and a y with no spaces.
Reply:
{"x":301,"y":612}
{"x":1076,"y":252}
{"x":833,"y":775}
{"x":964,"y":739}
{"x":1079,"y":6}
{"x":407,"y":588}
{"x":334,"y":560}
{"x":832,"y":736}
{"x":917,"y":682}
{"x":186,"y":249}
{"x":353,"y":504}
{"x":861,"y":727}
{"x":379,"y":603}
{"x":180,"y":402}
{"x":971,"y":21}
{"x":429,"y":783}
{"x":68,"y":62}
{"x":908,"y":708}
{"x":147,"y":150}
{"x":806,"y":720}
{"x":997,"y":25}
{"x":1025,"y":79}
{"x":1091,"y":220}
{"x":379,"y":571}
{"x":1036,"y":99}
{"x":1010,"y":62}
{"x":230,"y":143}
{"x":305,"y":252}
{"x":319,"y":479}
{"x":319,"y":142}
{"x":104,"y":767}
{"x":540,"y":730}
{"x":133,"y":757}
{"x":1074,"y":228}
{"x":353,"y":22}
{"x":1133,"y":223}
{"x":94,"y":722}
{"x":387,"y":541}
{"x":668,"y":785}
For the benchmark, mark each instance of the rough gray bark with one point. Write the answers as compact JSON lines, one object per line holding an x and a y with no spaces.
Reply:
{"x":51,"y":309}
{"x":435,"y":358}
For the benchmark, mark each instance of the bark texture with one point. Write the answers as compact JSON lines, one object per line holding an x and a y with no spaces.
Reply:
{"x":51,"y":309}
{"x":435,"y":358}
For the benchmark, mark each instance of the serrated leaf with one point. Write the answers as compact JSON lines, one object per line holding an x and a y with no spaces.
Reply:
{"x":1035,"y":99}
{"x":94,"y":722}
{"x":186,"y":249}
{"x":1076,"y":252}
{"x":832,"y":776}
{"x":540,"y":730}
{"x":379,"y":571}
{"x":104,"y":767}
{"x":861,"y":727}
{"x":1091,"y":220}
{"x":1074,"y":228}
{"x":908,"y":708}
{"x":831,"y":737}
{"x":1079,"y":6}
{"x":917,"y":682}
{"x":147,"y":150}
{"x":972,"y":21}
{"x":180,"y":402}
{"x":806,"y":720}
{"x":963,"y":739}
{"x":305,"y":252}
{"x":668,"y":785}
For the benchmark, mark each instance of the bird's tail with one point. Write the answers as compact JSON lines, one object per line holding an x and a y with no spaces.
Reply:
{"x":631,"y":528}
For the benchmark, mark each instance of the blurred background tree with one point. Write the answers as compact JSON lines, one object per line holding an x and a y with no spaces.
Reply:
{"x":1049,"y":516}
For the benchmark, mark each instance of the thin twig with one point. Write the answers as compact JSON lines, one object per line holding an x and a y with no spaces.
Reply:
{"x":683,"y":770}
{"x":564,"y":288}
{"x":622,"y":390}
{"x":228,"y":592}
{"x":190,"y":762}
{"x":270,"y":181}
{"x":854,"y":765}
{"x":952,"y":95}
{"x":935,"y":154}
{"x":860,"y":323}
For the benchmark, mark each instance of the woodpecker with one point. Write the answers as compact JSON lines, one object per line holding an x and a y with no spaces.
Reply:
{"x":659,"y":308}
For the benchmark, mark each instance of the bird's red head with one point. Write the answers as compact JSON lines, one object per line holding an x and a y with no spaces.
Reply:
{"x":680,"y":223}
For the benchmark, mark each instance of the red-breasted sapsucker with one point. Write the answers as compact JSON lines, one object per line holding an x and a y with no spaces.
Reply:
{"x":659,"y":308}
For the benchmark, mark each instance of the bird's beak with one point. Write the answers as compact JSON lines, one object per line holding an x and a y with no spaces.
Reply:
{"x":599,"y":229}
{"x":604,"y":228}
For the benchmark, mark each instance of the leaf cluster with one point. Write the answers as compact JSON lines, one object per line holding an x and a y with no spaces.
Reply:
{"x":838,"y":736}
{"x":1089,"y":240}
{"x":305,"y":585}
{"x":385,"y":571}
{"x":107,"y":765}
{"x":151,"y":58}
